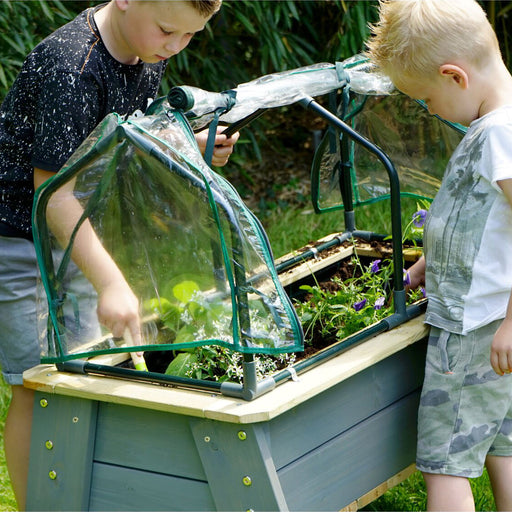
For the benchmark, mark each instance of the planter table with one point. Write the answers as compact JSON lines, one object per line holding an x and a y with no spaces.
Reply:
{"x":334,"y":439}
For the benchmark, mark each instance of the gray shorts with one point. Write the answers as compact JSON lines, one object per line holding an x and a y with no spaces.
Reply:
{"x":465,"y":410}
{"x":24,"y":310}
{"x":19,"y":344}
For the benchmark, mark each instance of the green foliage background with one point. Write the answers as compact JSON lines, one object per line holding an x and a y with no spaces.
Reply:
{"x":246,"y":39}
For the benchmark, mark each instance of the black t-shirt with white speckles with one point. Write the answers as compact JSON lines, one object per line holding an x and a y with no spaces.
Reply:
{"x":66,"y":86}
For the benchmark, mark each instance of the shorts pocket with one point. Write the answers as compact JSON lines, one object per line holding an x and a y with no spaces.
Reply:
{"x":449,"y":346}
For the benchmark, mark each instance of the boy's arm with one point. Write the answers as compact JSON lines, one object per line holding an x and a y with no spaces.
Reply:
{"x":118,"y":306}
{"x":501,"y":348}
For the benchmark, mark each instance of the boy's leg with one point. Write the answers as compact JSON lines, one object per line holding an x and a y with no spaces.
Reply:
{"x":448,"y":493}
{"x":500,"y":473}
{"x":19,"y":350}
{"x":18,"y":426}
{"x":465,"y":414}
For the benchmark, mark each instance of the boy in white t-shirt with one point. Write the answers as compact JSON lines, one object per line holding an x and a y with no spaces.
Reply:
{"x":446,"y":54}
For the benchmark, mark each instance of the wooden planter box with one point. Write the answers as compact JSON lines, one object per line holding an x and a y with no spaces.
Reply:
{"x":337,"y":437}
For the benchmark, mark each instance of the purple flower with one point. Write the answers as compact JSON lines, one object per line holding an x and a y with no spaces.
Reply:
{"x":418,"y":218}
{"x":379,"y":303}
{"x":359,"y":305}
{"x":424,"y":293}
{"x":375,"y":266}
{"x":407,"y":278}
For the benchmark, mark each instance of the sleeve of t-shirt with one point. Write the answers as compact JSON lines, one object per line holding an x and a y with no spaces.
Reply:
{"x":68,"y":110}
{"x":497,"y":154}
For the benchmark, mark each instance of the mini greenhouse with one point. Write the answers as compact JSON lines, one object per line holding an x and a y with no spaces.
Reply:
{"x":197,"y":259}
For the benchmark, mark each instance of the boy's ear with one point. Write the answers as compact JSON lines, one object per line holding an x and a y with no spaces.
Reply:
{"x":455,"y":73}
{"x":122,"y":5}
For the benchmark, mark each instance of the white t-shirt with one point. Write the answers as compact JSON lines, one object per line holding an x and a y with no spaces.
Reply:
{"x":468,"y":233}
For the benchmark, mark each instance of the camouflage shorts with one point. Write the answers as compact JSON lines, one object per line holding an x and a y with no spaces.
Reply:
{"x":466,"y":408}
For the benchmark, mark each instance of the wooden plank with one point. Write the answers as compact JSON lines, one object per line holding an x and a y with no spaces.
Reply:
{"x":385,"y":487}
{"x":296,"y":252}
{"x":349,"y":466}
{"x":125,"y":489}
{"x":345,"y":405}
{"x":353,"y":507}
{"x":308,"y":267}
{"x":312,"y":265}
{"x":163,"y":441}
{"x":61,"y":453}
{"x":239,"y":466}
{"x":204,"y":404}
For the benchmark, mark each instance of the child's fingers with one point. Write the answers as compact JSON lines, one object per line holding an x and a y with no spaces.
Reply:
{"x":501,"y":362}
{"x":132,"y":334}
{"x":222,"y":141}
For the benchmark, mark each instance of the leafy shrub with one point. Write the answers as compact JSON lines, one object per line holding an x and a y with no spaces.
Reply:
{"x":246,"y":39}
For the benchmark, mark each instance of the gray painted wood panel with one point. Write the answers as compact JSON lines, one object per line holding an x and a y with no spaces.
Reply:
{"x":317,"y":420}
{"x":148,"y":440}
{"x":61,"y":453}
{"x":353,"y":463}
{"x":126,"y":489}
{"x":239,"y":466}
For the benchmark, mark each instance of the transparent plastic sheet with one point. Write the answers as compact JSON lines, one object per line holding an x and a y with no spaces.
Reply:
{"x":283,"y":88}
{"x":418,"y":144}
{"x":194,"y":255}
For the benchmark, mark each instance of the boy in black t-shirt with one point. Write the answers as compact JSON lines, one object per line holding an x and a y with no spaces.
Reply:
{"x":110,"y":58}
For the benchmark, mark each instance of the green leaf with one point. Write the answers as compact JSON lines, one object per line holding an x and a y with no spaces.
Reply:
{"x":157,"y":305}
{"x":185,"y":290}
{"x":181,"y":364}
{"x":186,"y":334}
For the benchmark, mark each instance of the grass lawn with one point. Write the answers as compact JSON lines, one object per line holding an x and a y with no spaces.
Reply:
{"x":7,"y":501}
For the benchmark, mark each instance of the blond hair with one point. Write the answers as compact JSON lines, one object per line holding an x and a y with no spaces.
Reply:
{"x":414,"y":37}
{"x":206,"y":7}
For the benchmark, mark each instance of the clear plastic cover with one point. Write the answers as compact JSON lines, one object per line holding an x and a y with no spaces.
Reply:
{"x":196,"y":258}
{"x":287,"y":87}
{"x":418,"y":144}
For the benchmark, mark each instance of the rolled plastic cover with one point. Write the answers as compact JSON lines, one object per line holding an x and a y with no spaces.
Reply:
{"x":193,"y":254}
{"x":280,"y":89}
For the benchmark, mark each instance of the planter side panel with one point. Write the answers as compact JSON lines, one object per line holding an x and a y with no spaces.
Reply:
{"x":147,"y":440}
{"x":350,"y":465}
{"x":125,"y":489}
{"x":320,"y":419}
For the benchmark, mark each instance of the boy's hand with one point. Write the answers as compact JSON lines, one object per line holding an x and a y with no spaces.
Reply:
{"x":118,"y":309}
{"x":223,"y":145}
{"x":416,"y":275}
{"x":501,"y":348}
